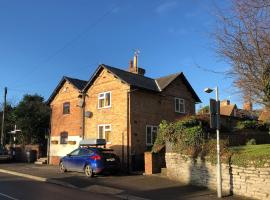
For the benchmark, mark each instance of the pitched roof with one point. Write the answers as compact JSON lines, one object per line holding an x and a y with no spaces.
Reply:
{"x":132,"y":79}
{"x":227,"y":110}
{"x":143,"y":82}
{"x":77,"y":83}
{"x":265,"y":116}
{"x":164,"y":81}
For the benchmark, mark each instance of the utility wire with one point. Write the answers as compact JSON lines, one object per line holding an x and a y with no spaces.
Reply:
{"x":76,"y":38}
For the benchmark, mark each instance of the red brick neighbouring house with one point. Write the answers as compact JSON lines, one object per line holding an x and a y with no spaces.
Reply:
{"x":124,"y":107}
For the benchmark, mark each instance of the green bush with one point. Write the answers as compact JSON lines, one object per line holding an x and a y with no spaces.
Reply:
{"x":186,"y":135}
{"x":209,"y":151}
{"x":251,"y":124}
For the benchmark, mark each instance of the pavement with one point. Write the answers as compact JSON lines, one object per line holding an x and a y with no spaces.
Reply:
{"x":133,"y":187}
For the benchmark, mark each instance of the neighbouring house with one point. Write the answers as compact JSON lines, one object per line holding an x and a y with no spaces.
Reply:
{"x":123,"y":107}
{"x":230,"y":114}
{"x":265,"y":116}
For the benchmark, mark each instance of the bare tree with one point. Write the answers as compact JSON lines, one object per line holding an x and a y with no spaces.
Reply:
{"x":243,"y":39}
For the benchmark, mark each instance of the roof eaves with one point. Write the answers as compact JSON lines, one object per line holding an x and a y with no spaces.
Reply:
{"x":55,"y":90}
{"x":158,"y":85}
{"x":95,"y":74}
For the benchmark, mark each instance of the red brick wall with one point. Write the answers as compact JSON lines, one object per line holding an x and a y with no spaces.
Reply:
{"x":54,"y":160}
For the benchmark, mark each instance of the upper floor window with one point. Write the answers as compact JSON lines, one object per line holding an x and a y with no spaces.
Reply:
{"x":64,"y":138}
{"x":179,"y":105}
{"x":104,"y":100}
{"x":104,"y":132}
{"x":151,"y":134}
{"x":66,"y":108}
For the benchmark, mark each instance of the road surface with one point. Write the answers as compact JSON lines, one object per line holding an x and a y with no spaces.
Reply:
{"x":17,"y":188}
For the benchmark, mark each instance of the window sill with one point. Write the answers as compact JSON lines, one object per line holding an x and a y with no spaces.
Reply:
{"x":180,"y":112}
{"x":104,"y":107}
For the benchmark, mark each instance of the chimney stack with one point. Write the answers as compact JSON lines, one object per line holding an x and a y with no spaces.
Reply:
{"x":133,"y":65}
{"x":225,"y":102}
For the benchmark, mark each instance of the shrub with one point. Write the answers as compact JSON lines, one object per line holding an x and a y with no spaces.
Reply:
{"x":251,"y":142}
{"x":209,"y":150}
{"x":186,"y":135}
{"x":251,"y":124}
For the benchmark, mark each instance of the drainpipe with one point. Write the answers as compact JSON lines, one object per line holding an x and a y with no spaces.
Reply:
{"x":128,"y":131}
{"x":83,"y":114}
{"x":49,"y":138}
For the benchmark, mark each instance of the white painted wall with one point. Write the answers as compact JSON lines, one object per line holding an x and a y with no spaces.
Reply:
{"x":63,"y":149}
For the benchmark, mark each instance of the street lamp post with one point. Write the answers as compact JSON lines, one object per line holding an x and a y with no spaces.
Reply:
{"x":219,"y":183}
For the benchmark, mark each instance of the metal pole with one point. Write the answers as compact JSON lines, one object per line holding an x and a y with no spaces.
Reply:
{"x":219,"y":183}
{"x":3,"y":118}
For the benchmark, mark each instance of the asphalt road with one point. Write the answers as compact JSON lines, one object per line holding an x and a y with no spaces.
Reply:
{"x":17,"y":188}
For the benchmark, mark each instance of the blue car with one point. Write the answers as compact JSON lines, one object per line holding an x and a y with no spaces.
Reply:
{"x":90,"y":160}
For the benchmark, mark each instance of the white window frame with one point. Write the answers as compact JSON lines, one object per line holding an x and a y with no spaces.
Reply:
{"x":104,"y":97}
{"x":104,"y":136}
{"x":181,"y":101}
{"x":152,"y":142}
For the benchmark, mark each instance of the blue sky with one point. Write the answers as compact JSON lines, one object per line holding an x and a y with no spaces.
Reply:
{"x":40,"y":41}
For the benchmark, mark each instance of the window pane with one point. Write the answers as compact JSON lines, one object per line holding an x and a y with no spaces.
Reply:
{"x":63,"y":138}
{"x":148,"y":135}
{"x":107,"y":135}
{"x":101,"y":103}
{"x":108,"y":99}
{"x":101,"y":95}
{"x":177,"y":107}
{"x":83,"y":152}
{"x":154,"y":134}
{"x":182,"y":109}
{"x":100,"y":132}
{"x":66,"y":108}
{"x":75,"y":153}
{"x":107,"y":127}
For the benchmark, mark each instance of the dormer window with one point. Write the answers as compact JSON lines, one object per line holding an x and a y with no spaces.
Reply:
{"x":104,"y":100}
{"x":66,"y":108}
{"x":179,"y":105}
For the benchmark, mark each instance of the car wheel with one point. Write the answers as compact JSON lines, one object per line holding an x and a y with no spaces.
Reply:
{"x":88,"y":171}
{"x":62,"y":168}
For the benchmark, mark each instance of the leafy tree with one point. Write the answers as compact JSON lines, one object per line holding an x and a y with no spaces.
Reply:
{"x":32,"y":117}
{"x":9,"y":121}
{"x":243,"y":39}
{"x":204,"y":110}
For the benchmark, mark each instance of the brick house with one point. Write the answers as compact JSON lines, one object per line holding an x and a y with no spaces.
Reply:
{"x":124,"y":107}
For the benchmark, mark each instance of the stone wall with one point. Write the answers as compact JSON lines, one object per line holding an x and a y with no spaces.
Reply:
{"x":244,"y":181}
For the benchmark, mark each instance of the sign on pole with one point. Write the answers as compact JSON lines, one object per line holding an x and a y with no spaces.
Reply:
{"x":213,"y":112}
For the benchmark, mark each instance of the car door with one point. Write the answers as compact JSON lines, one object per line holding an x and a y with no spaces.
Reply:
{"x":70,"y":160}
{"x":80,"y":160}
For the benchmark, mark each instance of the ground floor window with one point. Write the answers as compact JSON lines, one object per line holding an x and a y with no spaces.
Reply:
{"x":104,"y":132}
{"x":64,"y":138}
{"x":151,"y":134}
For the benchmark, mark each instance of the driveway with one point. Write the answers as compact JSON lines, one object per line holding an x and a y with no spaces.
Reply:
{"x":123,"y":186}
